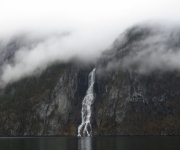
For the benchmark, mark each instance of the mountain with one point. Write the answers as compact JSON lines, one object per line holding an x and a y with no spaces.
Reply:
{"x":136,"y":91}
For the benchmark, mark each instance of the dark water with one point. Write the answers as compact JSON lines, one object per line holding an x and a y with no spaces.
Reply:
{"x":92,"y":143}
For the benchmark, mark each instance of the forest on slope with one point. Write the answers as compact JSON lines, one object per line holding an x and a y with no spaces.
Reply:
{"x":136,"y":91}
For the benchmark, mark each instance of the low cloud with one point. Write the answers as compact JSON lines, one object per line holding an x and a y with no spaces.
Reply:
{"x":28,"y":55}
{"x":144,"y":49}
{"x":141,"y":48}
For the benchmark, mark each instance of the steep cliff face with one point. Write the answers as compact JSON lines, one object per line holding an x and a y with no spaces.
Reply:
{"x":132,"y":96}
{"x":136,"y":96}
{"x":54,"y":111}
{"x":57,"y":110}
{"x":138,"y":104}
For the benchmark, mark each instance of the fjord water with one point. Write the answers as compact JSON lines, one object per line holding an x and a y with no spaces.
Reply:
{"x":92,"y":143}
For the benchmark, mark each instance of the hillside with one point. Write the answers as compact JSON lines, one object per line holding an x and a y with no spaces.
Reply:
{"x":136,"y":91}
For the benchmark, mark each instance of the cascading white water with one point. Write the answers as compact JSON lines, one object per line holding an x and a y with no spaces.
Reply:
{"x":85,"y":127}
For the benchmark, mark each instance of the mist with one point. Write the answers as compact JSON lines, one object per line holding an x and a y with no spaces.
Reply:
{"x":145,"y":48}
{"x":29,"y":54}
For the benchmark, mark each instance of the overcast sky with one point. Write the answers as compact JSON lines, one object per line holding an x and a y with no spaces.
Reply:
{"x":92,"y":26}
{"x":116,"y":15}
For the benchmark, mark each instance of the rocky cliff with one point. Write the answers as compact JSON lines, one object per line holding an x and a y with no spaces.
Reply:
{"x":52,"y":108}
{"x":131,"y":97}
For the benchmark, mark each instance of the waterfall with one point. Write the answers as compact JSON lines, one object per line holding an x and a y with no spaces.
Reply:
{"x":85,"y":127}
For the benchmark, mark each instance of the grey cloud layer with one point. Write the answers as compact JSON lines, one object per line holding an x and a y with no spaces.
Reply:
{"x":28,"y":54}
{"x":146,"y":48}
{"x":142,"y":48}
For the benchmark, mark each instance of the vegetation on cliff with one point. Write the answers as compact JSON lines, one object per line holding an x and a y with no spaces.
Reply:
{"x":136,"y":91}
{"x":18,"y":98}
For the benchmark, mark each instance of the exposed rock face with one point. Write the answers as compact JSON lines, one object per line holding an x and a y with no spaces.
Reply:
{"x":54,"y":112}
{"x":128,"y":101}
{"x":139,"y":104}
{"x":61,"y":111}
{"x":136,"y":97}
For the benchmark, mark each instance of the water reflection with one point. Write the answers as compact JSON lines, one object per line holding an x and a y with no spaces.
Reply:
{"x":85,"y":143}
{"x":92,"y":143}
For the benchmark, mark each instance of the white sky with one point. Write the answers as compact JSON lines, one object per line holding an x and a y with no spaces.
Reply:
{"x":18,"y":15}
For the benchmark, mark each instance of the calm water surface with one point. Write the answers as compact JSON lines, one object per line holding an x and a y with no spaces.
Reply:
{"x":92,"y":143}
